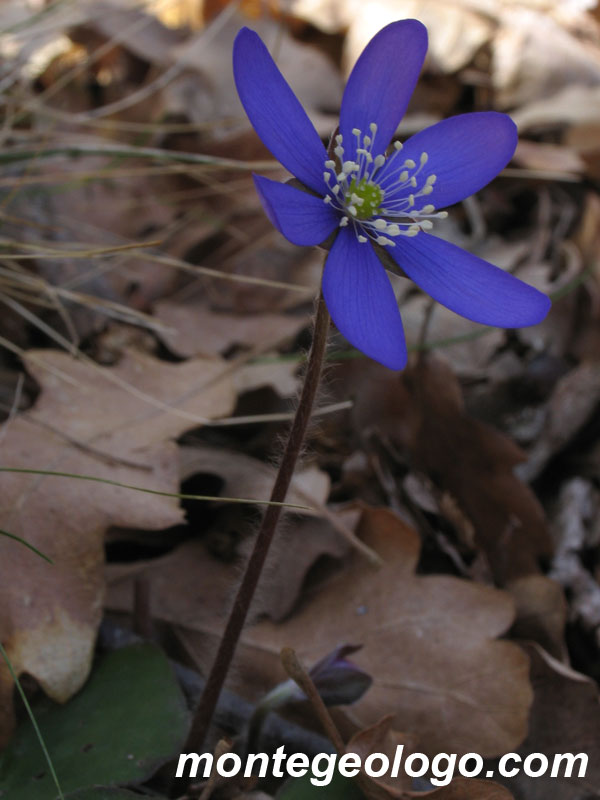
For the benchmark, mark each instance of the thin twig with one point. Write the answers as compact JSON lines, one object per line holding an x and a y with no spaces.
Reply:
{"x":299,"y":674}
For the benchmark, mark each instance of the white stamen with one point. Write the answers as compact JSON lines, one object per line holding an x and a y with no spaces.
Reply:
{"x":354,"y":191}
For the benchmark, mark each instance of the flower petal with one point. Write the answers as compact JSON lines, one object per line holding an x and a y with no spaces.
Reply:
{"x":468,"y":285}
{"x":361,"y":301}
{"x":275,"y":112}
{"x":465,"y":153}
{"x":381,"y":84}
{"x":301,"y":217}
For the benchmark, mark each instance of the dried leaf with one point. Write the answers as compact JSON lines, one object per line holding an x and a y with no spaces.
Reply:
{"x":381,"y":738}
{"x":428,"y":642}
{"x":208,"y":56}
{"x":467,"y":789}
{"x":86,"y":422}
{"x":571,"y":405}
{"x":456,"y":32}
{"x":245,"y":476}
{"x":194,"y":330}
{"x":422,"y":411}
{"x":541,"y":613}
{"x":535,"y":56}
{"x":565,"y":718}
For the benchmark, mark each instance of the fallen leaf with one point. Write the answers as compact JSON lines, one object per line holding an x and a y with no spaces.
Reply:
{"x":147,"y":38}
{"x":207,"y":56}
{"x":467,"y":789}
{"x":571,"y":405}
{"x":541,"y":613}
{"x":574,"y":104}
{"x":193,"y":590}
{"x":428,"y":642}
{"x":280,"y":375}
{"x":422,"y":411}
{"x":381,"y":738}
{"x":116,"y":423}
{"x":456,"y":32}
{"x":195,"y":330}
{"x":535,"y":55}
{"x":565,"y":718}
{"x":573,"y":528}
{"x":245,"y":476}
{"x":548,"y":157}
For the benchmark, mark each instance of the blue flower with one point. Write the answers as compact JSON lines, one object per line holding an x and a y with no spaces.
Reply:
{"x":376,"y":196}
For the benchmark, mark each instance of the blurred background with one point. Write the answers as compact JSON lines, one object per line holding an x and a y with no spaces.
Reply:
{"x":152,"y":330}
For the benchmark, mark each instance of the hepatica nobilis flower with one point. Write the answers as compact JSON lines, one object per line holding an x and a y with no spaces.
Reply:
{"x":376,"y":195}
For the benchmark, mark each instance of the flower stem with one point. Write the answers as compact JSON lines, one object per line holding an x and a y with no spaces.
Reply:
{"x":241,"y":605}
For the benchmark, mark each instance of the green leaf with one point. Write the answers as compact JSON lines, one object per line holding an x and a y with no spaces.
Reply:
{"x":340,"y":788}
{"x":104,"y":793}
{"x":128,"y":720}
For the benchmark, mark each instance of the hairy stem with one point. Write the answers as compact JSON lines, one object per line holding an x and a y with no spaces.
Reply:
{"x":245,"y":593}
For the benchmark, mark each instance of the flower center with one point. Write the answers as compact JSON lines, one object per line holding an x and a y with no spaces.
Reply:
{"x":366,"y":196}
{"x":379,"y":203}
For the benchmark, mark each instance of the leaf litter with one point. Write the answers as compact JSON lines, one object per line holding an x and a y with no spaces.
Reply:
{"x":184,"y":320}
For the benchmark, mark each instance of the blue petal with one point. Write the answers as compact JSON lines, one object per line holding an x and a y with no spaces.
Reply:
{"x":275,"y":111}
{"x":361,"y":301}
{"x":468,"y":285}
{"x":381,"y":84}
{"x":301,"y":217}
{"x":465,"y":153}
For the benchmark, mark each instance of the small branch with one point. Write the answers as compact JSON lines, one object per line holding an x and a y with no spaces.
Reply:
{"x":241,"y":605}
{"x":299,"y":674}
